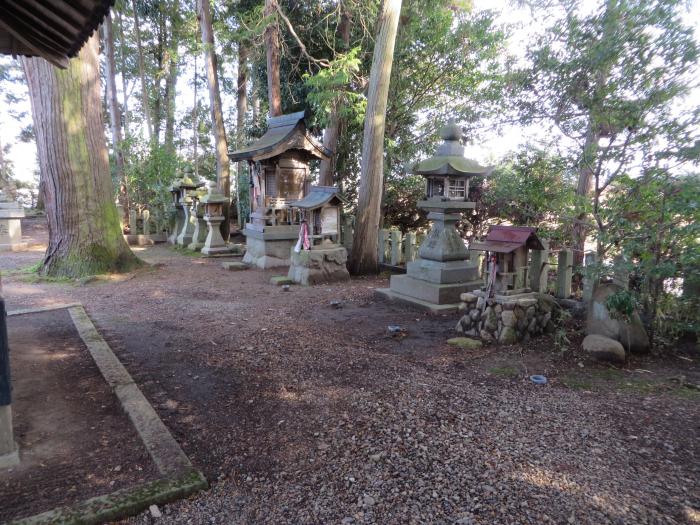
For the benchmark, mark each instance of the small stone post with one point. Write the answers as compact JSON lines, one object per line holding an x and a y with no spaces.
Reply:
{"x":564,"y":273}
{"x":589,"y":279}
{"x":120,"y":213}
{"x":348,"y":233}
{"x":213,"y":203}
{"x":382,"y":240}
{"x":539,"y":268}
{"x":8,"y":449}
{"x":409,"y":247}
{"x":133,"y":228}
{"x":395,"y":247}
{"x":145,"y":219}
{"x":621,"y":274}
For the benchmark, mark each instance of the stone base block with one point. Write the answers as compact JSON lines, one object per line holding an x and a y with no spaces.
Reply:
{"x":280,"y":280}
{"x":234,"y":266}
{"x":433,"y":293}
{"x":9,"y":456}
{"x":317,"y":266}
{"x":388,"y":293}
{"x":268,"y":253}
{"x":443,"y":272}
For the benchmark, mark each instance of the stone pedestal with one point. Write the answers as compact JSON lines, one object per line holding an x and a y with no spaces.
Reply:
{"x":269,"y":246}
{"x":200,"y":233}
{"x":11,"y":215}
{"x":185,"y":236}
{"x":321,"y":264}
{"x":214,"y":242}
{"x":442,"y":271}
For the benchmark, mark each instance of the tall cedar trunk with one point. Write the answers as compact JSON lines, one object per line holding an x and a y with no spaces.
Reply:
{"x":115,"y":115}
{"x":223,"y":178}
{"x":241,"y":109}
{"x":84,"y":234}
{"x":159,"y":56}
{"x":122,"y":60}
{"x":363,"y":259}
{"x":272,"y":45}
{"x":142,"y":74}
{"x":332,"y":132}
{"x":195,"y":123}
{"x":171,"y":80}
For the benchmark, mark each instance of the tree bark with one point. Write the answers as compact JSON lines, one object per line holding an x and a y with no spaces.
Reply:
{"x":171,"y":78}
{"x":272,"y":45}
{"x":241,"y":109}
{"x":223,"y":178}
{"x":363,"y":259}
{"x":115,"y":115}
{"x":142,"y":74}
{"x":84,"y":233}
{"x":122,"y":60}
{"x":332,"y":131}
{"x":195,"y":122}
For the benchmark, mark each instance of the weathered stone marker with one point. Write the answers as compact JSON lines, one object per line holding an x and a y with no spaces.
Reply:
{"x":395,"y":247}
{"x":146,"y":222}
{"x":564,"y":273}
{"x":11,"y":214}
{"x":133,"y":228}
{"x":8,"y":449}
{"x":409,"y":247}
{"x":590,"y":277}
{"x":539,"y":268}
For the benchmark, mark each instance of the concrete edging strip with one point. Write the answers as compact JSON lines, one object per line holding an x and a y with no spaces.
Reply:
{"x":164,"y":450}
{"x":42,"y":309}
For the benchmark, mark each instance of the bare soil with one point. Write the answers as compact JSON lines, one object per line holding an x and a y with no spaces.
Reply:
{"x":300,"y":412}
{"x":74,"y":439}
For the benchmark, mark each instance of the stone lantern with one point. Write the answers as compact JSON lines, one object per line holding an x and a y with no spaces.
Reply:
{"x":443,"y":270}
{"x":213,"y":203}
{"x":199,"y":234}
{"x":11,"y":215}
{"x":187,"y":188}
{"x":176,"y":213}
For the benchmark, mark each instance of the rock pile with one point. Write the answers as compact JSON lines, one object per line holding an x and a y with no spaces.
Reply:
{"x":506,"y":319}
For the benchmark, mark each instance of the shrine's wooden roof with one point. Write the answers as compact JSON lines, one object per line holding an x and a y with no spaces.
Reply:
{"x":505,"y":239}
{"x":283,"y":133}
{"x":51,"y":29}
{"x":317,"y":197}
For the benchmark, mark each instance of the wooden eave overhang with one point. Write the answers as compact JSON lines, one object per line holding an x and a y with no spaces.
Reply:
{"x":52,"y":29}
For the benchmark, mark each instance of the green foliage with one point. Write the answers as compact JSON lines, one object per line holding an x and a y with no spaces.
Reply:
{"x":621,"y":305}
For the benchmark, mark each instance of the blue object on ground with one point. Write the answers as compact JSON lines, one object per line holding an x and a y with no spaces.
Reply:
{"x":539,"y":380}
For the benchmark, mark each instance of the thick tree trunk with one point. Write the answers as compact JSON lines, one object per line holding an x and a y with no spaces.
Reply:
{"x":171,"y":79}
{"x":272,"y":45}
{"x":84,"y":233}
{"x":223,"y":178}
{"x":122,"y":60}
{"x":115,"y":115}
{"x":142,"y":74}
{"x":332,"y":131}
{"x":363,"y":259}
{"x":195,"y":122}
{"x":585,"y":178}
{"x":241,"y":109}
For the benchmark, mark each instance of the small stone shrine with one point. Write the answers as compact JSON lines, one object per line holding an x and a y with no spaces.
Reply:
{"x":279,"y":167}
{"x":318,"y":256}
{"x":505,"y":310}
{"x":213,"y":215}
{"x":11,"y":215}
{"x":443,"y":271}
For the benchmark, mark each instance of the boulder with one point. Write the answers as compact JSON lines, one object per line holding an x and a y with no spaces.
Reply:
{"x":508,"y":318}
{"x":468,"y":297}
{"x":604,"y":348}
{"x":632,"y":335}
{"x":490,"y":319}
{"x":507,"y":336}
{"x":465,"y":342}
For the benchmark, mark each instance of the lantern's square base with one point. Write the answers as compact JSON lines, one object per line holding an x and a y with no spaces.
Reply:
{"x":448,"y":272}
{"x":388,"y":293}
{"x":433,"y":293}
{"x":10,"y":459}
{"x":269,"y":246}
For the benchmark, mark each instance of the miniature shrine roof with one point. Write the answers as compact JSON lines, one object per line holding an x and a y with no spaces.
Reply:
{"x":283,"y":133}
{"x":505,"y":239}
{"x":318,"y":196}
{"x":54,"y":30}
{"x":449,"y":158}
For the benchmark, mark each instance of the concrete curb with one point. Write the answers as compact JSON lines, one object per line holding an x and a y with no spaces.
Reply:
{"x":42,"y":309}
{"x":180,"y":478}
{"x":121,"y":503}
{"x":164,"y":450}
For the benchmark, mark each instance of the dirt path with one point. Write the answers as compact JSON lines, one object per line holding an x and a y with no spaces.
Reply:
{"x":303,"y":413}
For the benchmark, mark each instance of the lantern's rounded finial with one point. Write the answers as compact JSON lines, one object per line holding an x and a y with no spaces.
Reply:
{"x":451,"y":131}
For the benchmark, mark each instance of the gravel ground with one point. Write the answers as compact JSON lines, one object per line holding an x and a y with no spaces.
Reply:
{"x":301,"y":413}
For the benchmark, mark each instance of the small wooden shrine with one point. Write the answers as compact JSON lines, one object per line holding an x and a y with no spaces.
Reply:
{"x":280,"y":173}
{"x":318,"y":256}
{"x":507,"y":250}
